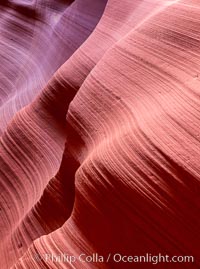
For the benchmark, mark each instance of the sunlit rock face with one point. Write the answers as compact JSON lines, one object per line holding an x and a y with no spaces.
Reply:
{"x":100,"y":136}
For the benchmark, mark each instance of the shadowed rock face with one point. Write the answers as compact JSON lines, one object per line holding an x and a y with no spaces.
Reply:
{"x":100,"y":138}
{"x":37,"y":37}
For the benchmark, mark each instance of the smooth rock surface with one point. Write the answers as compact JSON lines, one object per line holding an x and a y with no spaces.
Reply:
{"x":100,"y":144}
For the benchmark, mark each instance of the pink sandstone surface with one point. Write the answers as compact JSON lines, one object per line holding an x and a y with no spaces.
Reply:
{"x":100,"y":136}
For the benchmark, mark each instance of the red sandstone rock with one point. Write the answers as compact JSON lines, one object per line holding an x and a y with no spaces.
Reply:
{"x":102,"y":162}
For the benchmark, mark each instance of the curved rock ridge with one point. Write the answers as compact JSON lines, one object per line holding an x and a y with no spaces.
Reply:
{"x":37,"y":37}
{"x":100,"y":145}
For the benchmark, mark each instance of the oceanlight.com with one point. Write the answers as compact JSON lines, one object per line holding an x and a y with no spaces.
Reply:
{"x":116,"y":257}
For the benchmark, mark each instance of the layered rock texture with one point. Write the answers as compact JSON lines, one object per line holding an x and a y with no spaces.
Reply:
{"x":100,"y":136}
